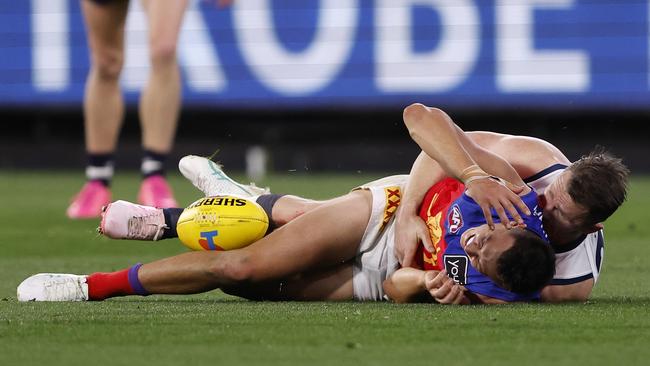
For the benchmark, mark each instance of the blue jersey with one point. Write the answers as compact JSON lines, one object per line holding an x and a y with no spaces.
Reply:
{"x":465,"y":213}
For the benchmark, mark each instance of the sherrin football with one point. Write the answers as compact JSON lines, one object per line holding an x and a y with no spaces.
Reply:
{"x":221,"y":223}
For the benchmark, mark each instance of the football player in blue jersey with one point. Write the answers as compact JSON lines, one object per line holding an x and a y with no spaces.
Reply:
{"x":339,"y":250}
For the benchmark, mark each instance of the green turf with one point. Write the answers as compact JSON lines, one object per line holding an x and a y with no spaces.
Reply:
{"x":35,"y":236}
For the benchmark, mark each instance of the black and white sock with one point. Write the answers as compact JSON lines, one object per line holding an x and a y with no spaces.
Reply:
{"x":153,"y":164}
{"x":100,"y":168}
{"x":171,"y":221}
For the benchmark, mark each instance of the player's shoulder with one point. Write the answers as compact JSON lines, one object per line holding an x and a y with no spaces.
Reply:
{"x":528,"y":155}
{"x":580,"y":260}
{"x":592,"y":241}
{"x":542,"y":178}
{"x":489,"y":137}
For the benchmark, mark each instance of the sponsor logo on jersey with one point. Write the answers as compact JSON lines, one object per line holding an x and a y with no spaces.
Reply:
{"x":456,"y":267}
{"x":207,"y":240}
{"x":455,"y":219}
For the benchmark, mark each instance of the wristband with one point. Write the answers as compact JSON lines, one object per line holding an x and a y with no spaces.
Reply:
{"x":471,"y":173}
{"x":493,"y":177}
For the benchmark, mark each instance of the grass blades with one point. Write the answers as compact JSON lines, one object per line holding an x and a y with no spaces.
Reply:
{"x":35,"y":236}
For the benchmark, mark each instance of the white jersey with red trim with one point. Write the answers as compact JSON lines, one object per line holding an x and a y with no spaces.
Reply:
{"x":578,"y":261}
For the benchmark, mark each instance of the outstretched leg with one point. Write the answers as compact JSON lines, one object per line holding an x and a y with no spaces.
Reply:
{"x":126,"y":220}
{"x":321,"y":239}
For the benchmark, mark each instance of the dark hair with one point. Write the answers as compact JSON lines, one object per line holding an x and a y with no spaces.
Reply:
{"x":598,"y":183}
{"x":528,"y":265}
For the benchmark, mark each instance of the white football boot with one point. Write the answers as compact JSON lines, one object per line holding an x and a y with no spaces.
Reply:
{"x":210,"y":179}
{"x":126,"y":220}
{"x":53,"y":287}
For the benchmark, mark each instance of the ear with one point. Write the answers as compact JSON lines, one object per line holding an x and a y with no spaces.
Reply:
{"x":596,"y":227}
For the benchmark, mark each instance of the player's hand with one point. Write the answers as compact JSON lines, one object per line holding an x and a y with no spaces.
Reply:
{"x":410,"y":231}
{"x":500,"y":195}
{"x":443,"y":289}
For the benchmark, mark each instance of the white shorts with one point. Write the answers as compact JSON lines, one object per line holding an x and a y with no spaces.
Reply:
{"x":375,"y":260}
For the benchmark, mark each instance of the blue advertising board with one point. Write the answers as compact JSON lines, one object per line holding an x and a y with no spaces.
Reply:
{"x":297,"y":54}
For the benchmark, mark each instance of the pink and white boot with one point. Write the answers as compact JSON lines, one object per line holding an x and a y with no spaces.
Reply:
{"x":126,"y":220}
{"x":155,"y":192}
{"x":88,"y":203}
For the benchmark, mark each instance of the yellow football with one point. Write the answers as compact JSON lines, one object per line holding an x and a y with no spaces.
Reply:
{"x":221,"y":223}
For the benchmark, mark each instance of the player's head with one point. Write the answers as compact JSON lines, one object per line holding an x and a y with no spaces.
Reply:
{"x":528,"y":265}
{"x":516,"y":259}
{"x":584,"y":195}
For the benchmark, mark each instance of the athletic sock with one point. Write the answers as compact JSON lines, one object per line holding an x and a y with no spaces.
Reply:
{"x":171,"y":220}
{"x":153,"y":163}
{"x":100,"y":168}
{"x":267,"y":201}
{"x":103,"y":285}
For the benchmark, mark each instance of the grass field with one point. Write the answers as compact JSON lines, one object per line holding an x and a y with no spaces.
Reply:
{"x":612,"y":328}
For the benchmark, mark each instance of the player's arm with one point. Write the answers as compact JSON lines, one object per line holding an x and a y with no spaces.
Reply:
{"x":446,"y":143}
{"x":422,"y":123}
{"x":438,"y":136}
{"x":407,"y":285}
{"x":445,"y":290}
{"x":577,"y":292}
{"x":435,"y":133}
{"x":410,"y":229}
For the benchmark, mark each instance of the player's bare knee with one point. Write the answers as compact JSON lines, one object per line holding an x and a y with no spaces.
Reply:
{"x":290,"y":207}
{"x":108,"y":64}
{"x":163,"y":53}
{"x":233,"y":269}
